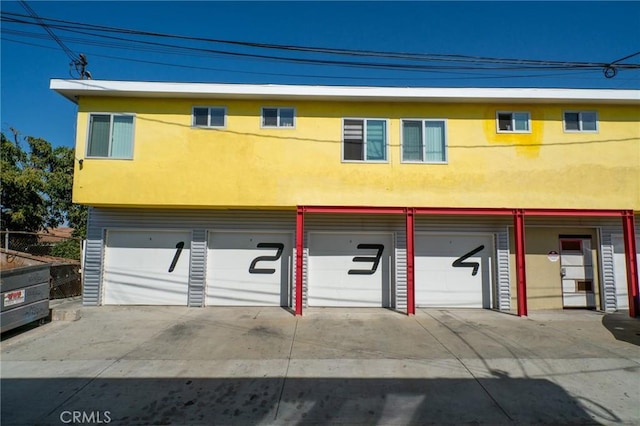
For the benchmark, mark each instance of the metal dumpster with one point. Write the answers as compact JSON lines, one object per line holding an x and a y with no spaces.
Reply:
{"x":25,"y":295}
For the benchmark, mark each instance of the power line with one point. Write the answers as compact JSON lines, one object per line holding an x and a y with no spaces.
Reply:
{"x":474,"y":76}
{"x":42,"y":24}
{"x":479,"y":62}
{"x":78,"y":61}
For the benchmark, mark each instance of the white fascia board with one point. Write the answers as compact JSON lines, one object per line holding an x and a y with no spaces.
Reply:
{"x":73,"y":89}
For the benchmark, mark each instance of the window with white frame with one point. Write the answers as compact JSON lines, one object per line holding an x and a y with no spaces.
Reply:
{"x":580,"y":121}
{"x":110,"y":136}
{"x":209,"y":117}
{"x":513,"y":122}
{"x":424,"y":141}
{"x":364,"y":139}
{"x":278,"y":117}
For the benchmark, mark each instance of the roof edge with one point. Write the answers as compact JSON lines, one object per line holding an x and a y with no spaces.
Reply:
{"x":73,"y":89}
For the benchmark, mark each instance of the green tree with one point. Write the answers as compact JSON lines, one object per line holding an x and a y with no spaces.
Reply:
{"x":35,"y":186}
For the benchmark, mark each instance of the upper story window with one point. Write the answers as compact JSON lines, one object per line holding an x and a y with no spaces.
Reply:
{"x":513,"y":122}
{"x":209,"y":117}
{"x":424,"y":141}
{"x":580,"y":121}
{"x":278,"y":117}
{"x":110,"y":136}
{"x":364,"y":139}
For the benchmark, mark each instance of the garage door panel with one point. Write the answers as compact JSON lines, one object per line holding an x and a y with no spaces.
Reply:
{"x":248,"y":268}
{"x":453,"y":270}
{"x":350,"y":270}
{"x":146,"y":267}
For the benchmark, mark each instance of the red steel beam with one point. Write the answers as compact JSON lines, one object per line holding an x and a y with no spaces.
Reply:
{"x":354,"y":209}
{"x":630,"y":250}
{"x":521,"y":275}
{"x":299,"y":258}
{"x":573,"y":212}
{"x":464,"y":211}
{"x":410,"y":230}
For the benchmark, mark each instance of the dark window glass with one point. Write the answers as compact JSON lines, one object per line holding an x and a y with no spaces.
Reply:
{"x":200,"y":116}
{"x":571,"y":245}
{"x":571,"y":121}
{"x":504,"y":122}
{"x":217,"y":117}
{"x":353,"y":140}
{"x":270,"y":117}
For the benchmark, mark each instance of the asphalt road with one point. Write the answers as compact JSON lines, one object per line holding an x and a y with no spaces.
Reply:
{"x":263,"y":366}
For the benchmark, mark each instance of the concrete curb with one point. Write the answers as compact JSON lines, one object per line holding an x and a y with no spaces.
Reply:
{"x":66,"y":309}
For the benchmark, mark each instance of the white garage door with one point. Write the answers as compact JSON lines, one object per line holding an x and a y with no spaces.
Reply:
{"x":146,"y":268}
{"x":620,"y":268}
{"x":350,"y":269}
{"x":249,"y":268}
{"x":453,"y":270}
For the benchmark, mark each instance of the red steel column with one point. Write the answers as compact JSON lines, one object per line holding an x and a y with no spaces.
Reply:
{"x":521,"y":275}
{"x":299,"y":257}
{"x":411,"y":302}
{"x":628,"y":226}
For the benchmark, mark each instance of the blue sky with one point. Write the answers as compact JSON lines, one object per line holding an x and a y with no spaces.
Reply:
{"x":579,"y":31}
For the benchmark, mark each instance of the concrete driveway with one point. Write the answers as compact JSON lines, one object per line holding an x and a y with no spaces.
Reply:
{"x":263,"y":366}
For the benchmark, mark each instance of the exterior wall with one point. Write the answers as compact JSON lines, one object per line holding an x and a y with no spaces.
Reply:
{"x":175,"y":165}
{"x":544,"y":289}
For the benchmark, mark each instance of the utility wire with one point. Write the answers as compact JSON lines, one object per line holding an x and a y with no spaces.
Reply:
{"x":626,"y":57}
{"x":479,"y":61}
{"x":473,"y":76}
{"x":42,"y":24}
{"x":163,"y":47}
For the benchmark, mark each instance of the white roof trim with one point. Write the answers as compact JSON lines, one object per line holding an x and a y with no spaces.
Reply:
{"x":73,"y":89}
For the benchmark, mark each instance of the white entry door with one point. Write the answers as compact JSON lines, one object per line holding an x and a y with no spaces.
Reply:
{"x":576,"y":270}
{"x":248,"y":268}
{"x":620,"y":269}
{"x":350,"y":269}
{"x":453,"y":270}
{"x":146,"y":267}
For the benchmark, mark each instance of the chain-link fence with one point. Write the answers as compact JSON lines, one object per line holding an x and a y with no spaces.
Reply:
{"x":62,"y":252}
{"x":42,"y":244}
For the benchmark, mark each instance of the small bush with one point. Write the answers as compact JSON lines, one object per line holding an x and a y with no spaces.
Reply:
{"x":69,"y":249}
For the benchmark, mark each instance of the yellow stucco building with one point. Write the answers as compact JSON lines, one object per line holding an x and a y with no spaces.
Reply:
{"x":220,"y":194}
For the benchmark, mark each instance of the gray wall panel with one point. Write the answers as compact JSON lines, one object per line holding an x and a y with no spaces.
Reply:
{"x":197,"y":270}
{"x":93,"y":255}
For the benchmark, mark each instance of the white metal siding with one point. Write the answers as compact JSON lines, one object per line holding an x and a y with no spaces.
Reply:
{"x":400,"y":263}
{"x":241,"y":271}
{"x":197,"y":221}
{"x":498,"y":226}
{"x":93,"y":255}
{"x":146,"y":267}
{"x":361,"y":223}
{"x":197,"y":267}
{"x":607,"y":267}
{"x":503,"y":298}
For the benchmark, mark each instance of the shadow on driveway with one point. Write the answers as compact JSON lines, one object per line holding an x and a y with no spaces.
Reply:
{"x":292,"y":401}
{"x":623,"y":327}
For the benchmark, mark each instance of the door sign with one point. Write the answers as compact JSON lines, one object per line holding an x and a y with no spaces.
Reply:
{"x":252,"y":268}
{"x":460,"y":262}
{"x":375,"y":259}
